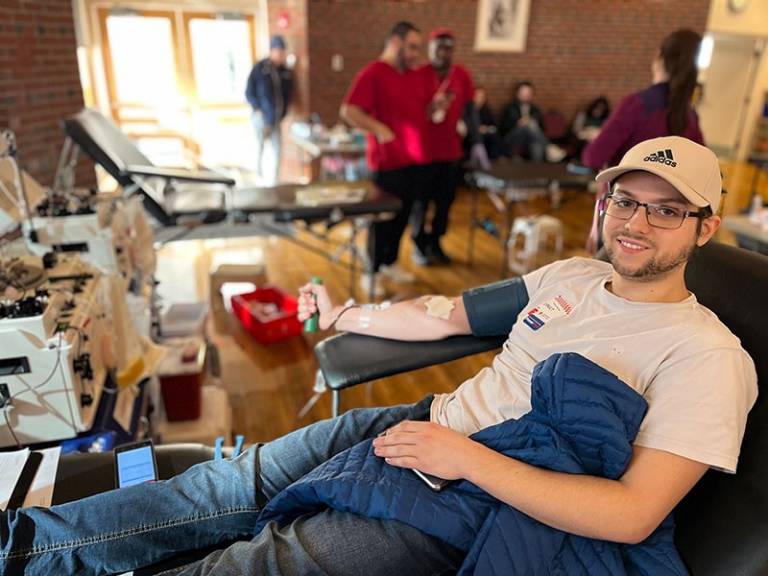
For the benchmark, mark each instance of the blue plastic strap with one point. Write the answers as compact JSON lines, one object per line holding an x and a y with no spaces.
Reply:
{"x":238,"y":445}
{"x":219,"y":446}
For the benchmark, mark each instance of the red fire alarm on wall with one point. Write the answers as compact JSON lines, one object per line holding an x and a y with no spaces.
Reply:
{"x":283,"y":20}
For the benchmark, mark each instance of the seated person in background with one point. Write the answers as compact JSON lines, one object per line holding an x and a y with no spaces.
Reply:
{"x":587,"y":124}
{"x":522,"y":128}
{"x":633,"y":318}
{"x":489,"y":131}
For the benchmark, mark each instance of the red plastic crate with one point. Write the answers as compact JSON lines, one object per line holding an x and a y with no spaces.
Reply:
{"x":264,"y":326}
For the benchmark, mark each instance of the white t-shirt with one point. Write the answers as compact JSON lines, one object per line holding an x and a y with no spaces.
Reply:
{"x":697,"y":379}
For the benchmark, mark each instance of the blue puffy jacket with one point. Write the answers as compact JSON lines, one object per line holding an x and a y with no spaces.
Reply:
{"x":583,"y":420}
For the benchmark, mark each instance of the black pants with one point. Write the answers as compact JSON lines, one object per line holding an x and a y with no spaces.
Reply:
{"x":384,"y":237}
{"x":441,"y":179}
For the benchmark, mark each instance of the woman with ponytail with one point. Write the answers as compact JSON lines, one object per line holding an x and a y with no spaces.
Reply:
{"x":663,"y":109}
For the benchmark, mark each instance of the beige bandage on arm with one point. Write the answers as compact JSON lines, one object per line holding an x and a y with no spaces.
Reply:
{"x":439,"y":307}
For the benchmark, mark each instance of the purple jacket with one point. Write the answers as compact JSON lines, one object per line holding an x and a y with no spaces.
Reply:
{"x":638,"y":117}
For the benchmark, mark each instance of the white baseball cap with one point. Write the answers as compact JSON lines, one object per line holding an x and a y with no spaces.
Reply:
{"x":691,"y":168}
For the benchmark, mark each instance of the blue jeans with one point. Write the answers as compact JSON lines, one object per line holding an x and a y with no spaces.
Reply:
{"x":213,"y":503}
{"x":268,"y":167}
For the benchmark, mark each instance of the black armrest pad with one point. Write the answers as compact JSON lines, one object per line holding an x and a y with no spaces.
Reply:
{"x":350,"y":359}
{"x":203,"y":176}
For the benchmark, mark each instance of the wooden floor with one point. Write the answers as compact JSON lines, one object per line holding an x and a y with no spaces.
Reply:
{"x":268,"y":386}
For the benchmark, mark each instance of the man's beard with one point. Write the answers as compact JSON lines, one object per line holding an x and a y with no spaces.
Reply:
{"x":441,"y":66}
{"x":655,"y":267}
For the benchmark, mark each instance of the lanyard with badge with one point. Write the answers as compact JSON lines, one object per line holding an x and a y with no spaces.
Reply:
{"x":438,"y":114}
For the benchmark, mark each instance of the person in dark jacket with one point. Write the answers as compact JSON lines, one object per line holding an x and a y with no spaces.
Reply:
{"x":588,"y":122}
{"x":522,"y":125}
{"x":488,"y":128}
{"x":269,"y":91}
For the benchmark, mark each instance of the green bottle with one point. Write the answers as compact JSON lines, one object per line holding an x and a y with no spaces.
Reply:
{"x":310,"y":324}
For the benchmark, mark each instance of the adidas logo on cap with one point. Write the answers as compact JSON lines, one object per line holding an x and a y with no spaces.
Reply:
{"x":693,"y":169}
{"x":663,"y":157}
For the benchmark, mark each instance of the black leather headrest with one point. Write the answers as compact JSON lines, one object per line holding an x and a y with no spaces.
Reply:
{"x":733,"y":283}
{"x":103,"y":141}
{"x":110,"y":148}
{"x":723,"y":522}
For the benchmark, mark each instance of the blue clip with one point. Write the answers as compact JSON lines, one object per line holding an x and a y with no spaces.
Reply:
{"x":238,"y":445}
{"x":219,"y":446}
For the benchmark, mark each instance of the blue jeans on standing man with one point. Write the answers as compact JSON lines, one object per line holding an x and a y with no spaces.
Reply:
{"x":267,"y":136}
{"x":217,"y":502}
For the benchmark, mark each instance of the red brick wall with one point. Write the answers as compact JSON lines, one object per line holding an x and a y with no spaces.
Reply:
{"x":576,"y":49}
{"x":296,"y":37}
{"x":39,"y":81}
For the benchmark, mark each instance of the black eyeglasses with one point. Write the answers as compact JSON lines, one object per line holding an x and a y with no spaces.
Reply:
{"x":657,"y":215}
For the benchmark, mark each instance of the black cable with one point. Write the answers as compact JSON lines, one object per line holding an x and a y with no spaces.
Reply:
{"x":340,"y":314}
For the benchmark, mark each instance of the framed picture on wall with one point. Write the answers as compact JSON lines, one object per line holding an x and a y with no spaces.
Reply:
{"x":502,"y":25}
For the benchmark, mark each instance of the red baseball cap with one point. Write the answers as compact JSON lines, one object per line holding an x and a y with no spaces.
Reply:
{"x":441,"y":32}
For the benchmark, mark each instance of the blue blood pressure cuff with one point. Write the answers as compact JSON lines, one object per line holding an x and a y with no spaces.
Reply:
{"x":492,"y":309}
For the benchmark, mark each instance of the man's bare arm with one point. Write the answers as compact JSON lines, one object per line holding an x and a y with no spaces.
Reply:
{"x":409,"y":320}
{"x":625,"y":510}
{"x":359,"y":118}
{"x":425,"y":318}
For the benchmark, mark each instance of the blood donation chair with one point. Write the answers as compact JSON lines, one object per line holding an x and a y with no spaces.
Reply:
{"x":722,"y":524}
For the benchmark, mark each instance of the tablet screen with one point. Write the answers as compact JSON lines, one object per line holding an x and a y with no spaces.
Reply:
{"x":135,"y":466}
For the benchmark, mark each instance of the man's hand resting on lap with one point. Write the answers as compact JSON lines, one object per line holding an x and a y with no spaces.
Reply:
{"x":429,"y":447}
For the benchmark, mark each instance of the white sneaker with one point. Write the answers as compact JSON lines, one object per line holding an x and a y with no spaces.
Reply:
{"x":554,"y":153}
{"x":365,"y":284}
{"x":397,"y":274}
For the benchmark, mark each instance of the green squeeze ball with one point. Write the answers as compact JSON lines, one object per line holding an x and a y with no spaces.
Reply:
{"x":311,"y":323}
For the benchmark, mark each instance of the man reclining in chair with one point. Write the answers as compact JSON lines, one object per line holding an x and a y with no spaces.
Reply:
{"x":632,"y":320}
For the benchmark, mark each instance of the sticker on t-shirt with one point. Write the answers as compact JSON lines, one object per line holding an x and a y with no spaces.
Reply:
{"x":537,"y":317}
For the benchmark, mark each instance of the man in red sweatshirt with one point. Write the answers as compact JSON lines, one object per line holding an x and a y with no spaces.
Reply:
{"x":387,"y":99}
{"x":451,"y":115}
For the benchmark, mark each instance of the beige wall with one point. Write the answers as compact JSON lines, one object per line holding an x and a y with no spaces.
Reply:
{"x":753,"y":21}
